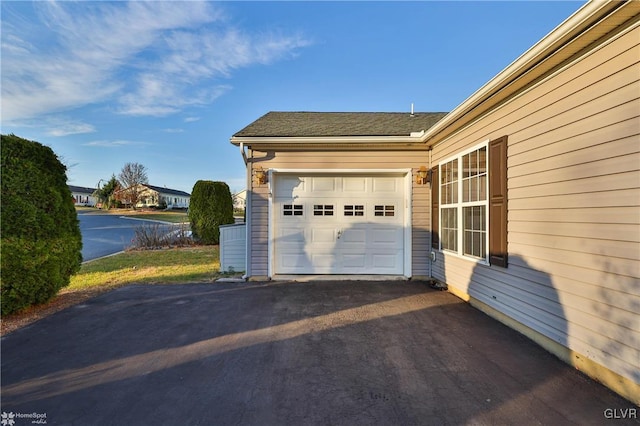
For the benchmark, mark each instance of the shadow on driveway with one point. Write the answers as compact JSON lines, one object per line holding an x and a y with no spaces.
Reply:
{"x":288,"y":353}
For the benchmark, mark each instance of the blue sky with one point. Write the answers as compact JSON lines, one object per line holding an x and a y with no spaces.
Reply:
{"x":166,"y":84}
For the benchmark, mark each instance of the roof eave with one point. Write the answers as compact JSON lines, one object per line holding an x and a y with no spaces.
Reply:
{"x":325,"y":140}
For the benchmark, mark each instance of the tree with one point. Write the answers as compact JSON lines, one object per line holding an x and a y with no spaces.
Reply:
{"x":41,"y":241}
{"x":105,"y":195}
{"x":210,"y":206}
{"x":131,"y":177}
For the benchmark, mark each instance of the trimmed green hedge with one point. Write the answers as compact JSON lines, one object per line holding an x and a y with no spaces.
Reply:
{"x":41,"y":240}
{"x":211,"y":205}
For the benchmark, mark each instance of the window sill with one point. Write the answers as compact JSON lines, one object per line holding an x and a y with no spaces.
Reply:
{"x":475,"y":260}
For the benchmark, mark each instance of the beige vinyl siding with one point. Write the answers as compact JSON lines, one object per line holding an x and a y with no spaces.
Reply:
{"x":259,"y":235}
{"x":328,"y":160}
{"x":421,"y":228}
{"x":308,"y":159}
{"x":574,"y":207}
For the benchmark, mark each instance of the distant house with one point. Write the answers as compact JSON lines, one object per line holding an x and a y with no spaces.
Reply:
{"x":523,"y":199}
{"x":83,"y":196}
{"x":240,"y":200}
{"x":158,"y":197}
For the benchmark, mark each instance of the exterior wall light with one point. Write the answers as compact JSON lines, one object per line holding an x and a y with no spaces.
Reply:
{"x":422,"y":176}
{"x":260,"y":175}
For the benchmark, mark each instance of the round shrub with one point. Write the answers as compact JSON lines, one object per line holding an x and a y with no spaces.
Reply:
{"x":41,"y":240}
{"x":210,"y":206}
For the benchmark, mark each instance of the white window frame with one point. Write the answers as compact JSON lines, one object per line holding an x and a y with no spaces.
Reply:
{"x":459,"y":205}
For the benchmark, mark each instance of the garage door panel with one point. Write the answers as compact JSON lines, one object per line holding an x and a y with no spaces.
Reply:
{"x":289,"y":187}
{"x":356,"y":185}
{"x":323,"y":235}
{"x":323,"y":261}
{"x":294,"y":261}
{"x":291,"y":235}
{"x":384,"y":236}
{"x":385,"y":185}
{"x":354,"y":261}
{"x":324,"y":184}
{"x":354,"y":236}
{"x":384,"y":261}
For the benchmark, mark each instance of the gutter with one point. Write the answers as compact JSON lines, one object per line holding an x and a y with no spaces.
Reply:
{"x":415,"y":137}
{"x":573,"y":26}
{"x":247,"y":216}
{"x":431,"y":183}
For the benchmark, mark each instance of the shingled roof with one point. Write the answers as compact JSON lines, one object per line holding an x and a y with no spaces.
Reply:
{"x":330,"y":124}
{"x":169,"y":191}
{"x":81,"y":189}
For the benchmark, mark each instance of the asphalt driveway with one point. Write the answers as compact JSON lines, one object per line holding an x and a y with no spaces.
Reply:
{"x":321,"y":353}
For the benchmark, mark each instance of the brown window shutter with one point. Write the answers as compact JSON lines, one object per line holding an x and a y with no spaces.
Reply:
{"x":435,"y":212}
{"x":498,"y":255}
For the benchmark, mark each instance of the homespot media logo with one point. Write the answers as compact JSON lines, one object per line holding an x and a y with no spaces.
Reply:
{"x":9,"y":419}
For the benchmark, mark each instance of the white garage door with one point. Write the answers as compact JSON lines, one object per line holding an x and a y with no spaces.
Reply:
{"x":338,"y":224}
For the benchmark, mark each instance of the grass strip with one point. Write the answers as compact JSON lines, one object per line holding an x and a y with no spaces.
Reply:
{"x":167,"y":266}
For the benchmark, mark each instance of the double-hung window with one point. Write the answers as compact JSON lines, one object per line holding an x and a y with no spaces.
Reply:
{"x":469,"y":204}
{"x":464,"y":205}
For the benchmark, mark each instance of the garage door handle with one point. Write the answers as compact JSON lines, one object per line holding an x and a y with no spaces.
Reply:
{"x":339,"y":233}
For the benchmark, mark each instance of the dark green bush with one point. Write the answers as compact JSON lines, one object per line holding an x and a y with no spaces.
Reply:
{"x":41,"y":240}
{"x":210,"y":206}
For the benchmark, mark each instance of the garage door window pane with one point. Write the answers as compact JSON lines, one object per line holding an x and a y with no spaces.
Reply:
{"x":384,"y":211}
{"x":322,"y":210}
{"x":292,"y":210}
{"x":354,"y":210}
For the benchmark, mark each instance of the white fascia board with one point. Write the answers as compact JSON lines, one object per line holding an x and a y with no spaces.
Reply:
{"x":573,"y":25}
{"x":301,"y":140}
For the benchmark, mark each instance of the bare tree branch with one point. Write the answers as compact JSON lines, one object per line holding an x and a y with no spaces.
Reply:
{"x":131,"y":177}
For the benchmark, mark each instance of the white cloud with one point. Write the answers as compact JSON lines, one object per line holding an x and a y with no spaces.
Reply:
{"x":173,"y":130}
{"x":191,"y":119}
{"x":115,"y":143}
{"x":56,"y":125}
{"x":157,"y":97}
{"x":65,"y":129}
{"x":147,"y":58}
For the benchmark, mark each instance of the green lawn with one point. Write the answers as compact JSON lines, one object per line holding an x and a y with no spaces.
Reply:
{"x":168,"y":266}
{"x":174,"y":217}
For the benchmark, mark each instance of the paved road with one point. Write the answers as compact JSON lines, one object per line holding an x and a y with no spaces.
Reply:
{"x":105,"y":234}
{"x":320,"y":353}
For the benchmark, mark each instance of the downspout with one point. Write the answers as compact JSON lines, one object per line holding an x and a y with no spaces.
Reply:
{"x":247,"y":215}
{"x":244,"y":154}
{"x":430,"y":216}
